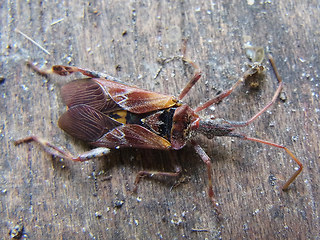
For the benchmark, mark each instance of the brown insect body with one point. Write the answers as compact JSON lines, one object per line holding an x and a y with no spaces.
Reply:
{"x":109,"y":114}
{"x":113,"y":115}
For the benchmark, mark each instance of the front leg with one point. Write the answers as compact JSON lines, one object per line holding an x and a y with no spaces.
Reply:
{"x":62,"y":153}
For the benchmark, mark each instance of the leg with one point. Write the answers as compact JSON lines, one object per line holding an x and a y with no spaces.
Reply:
{"x":218,"y":98}
{"x":59,"y":152}
{"x":205,"y":158}
{"x":275,"y":96}
{"x":197,"y":72}
{"x":193,"y":80}
{"x":294,"y":176}
{"x":141,"y":174}
{"x":226,"y":93}
{"x":67,"y":70}
{"x":196,"y":75}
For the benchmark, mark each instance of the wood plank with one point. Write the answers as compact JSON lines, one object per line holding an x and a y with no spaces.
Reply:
{"x":93,"y":200}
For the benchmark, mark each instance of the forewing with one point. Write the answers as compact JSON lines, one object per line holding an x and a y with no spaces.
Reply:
{"x":131,"y":135}
{"x":134,"y":99}
{"x":86,"y":123}
{"x":90,"y":93}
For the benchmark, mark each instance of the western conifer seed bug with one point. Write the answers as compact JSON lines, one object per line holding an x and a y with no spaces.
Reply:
{"x":109,"y":114}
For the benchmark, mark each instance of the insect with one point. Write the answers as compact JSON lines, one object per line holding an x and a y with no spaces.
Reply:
{"x":109,"y":114}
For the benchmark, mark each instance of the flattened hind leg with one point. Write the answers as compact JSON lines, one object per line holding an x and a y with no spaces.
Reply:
{"x":62,"y":153}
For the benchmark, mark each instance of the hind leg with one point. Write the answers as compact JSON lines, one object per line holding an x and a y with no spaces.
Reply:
{"x":62,"y":153}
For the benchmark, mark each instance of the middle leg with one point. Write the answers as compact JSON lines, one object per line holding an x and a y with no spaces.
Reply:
{"x":142,"y":174}
{"x":205,"y":158}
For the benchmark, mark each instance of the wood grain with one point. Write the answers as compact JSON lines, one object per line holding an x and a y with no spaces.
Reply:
{"x":55,"y":199}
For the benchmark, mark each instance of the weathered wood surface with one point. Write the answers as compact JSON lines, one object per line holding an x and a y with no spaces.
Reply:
{"x":68,"y":200}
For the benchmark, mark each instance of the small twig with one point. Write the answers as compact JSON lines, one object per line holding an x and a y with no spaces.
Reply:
{"x":31,"y":40}
{"x":199,"y":230}
{"x":107,"y":178}
{"x":55,"y":22}
{"x":158,"y":72}
{"x":163,"y":61}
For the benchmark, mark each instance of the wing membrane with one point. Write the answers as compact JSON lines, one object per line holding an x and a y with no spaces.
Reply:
{"x":86,"y":123}
{"x":90,"y":93}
